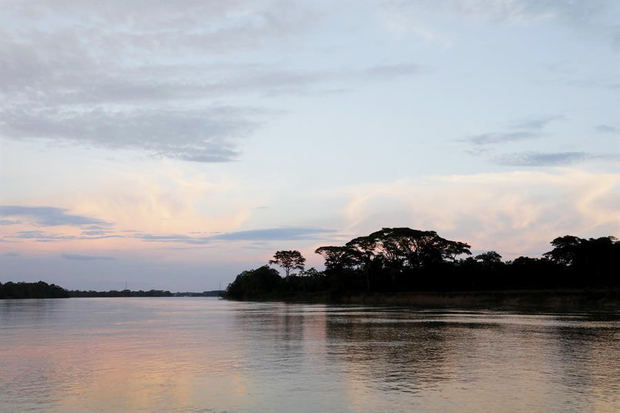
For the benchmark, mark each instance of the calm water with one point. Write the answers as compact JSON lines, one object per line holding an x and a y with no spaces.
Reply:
{"x":208,"y":355}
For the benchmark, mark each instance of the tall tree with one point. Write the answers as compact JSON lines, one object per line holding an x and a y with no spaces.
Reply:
{"x":339,"y":258}
{"x":489,"y":258}
{"x":406,"y":247}
{"x":289,"y":260}
{"x":565,"y":249}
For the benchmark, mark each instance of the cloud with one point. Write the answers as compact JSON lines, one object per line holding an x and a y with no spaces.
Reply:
{"x":49,"y":216}
{"x":395,"y":70}
{"x":587,"y":18}
{"x":11,"y":254}
{"x":95,"y":227}
{"x":515,"y":212}
{"x":552,"y":158}
{"x":262,"y":235}
{"x":41,"y":236}
{"x":542,"y":158}
{"x":202,"y":136}
{"x":160,"y":78}
{"x":607,"y":129}
{"x":190,"y":26}
{"x":274,"y":234}
{"x":267,"y":234}
{"x":136,"y":75}
{"x":8,"y":222}
{"x":175,"y":238}
{"x":536,"y":123}
{"x":521,"y":130}
{"x":492,"y":138}
{"x":45,"y":236}
{"x":96,"y":232}
{"x":79,"y":257}
{"x":509,"y":11}
{"x":531,"y":129}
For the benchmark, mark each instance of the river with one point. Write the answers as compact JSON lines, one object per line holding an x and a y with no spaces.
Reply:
{"x":212,"y":355}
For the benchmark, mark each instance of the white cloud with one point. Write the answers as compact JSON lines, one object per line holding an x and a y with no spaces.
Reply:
{"x":167,"y":78}
{"x":509,"y":11}
{"x":139,"y":75}
{"x":585,"y":16}
{"x":514,"y":212}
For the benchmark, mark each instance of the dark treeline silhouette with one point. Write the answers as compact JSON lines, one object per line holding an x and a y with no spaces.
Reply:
{"x":211,"y":293}
{"x":43,"y":290}
{"x":32,"y":290}
{"x":121,"y":293}
{"x":141,"y":293}
{"x":407,"y":260}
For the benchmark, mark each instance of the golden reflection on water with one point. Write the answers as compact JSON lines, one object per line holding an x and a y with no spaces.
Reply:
{"x":211,"y":355}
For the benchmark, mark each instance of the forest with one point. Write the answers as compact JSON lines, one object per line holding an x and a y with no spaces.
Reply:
{"x":395,"y":260}
{"x":31,"y":290}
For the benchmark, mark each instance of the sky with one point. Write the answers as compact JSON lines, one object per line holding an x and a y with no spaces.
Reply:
{"x":173,"y":144}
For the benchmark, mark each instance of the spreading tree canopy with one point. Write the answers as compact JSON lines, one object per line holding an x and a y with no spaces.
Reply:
{"x":289,"y":260}
{"x":393,"y":248}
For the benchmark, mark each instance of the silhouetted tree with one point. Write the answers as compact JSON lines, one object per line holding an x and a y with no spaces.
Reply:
{"x":289,"y":260}
{"x":489,"y":258}
{"x":565,"y":249}
{"x":406,"y":247}
{"x":364,"y":252}
{"x":339,"y":258}
{"x":311,"y":272}
{"x":599,"y":257}
{"x":405,"y":259}
{"x":31,"y":290}
{"x":254,"y":283}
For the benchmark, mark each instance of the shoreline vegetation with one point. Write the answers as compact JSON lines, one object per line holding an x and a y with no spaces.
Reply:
{"x":141,"y":293}
{"x":590,"y":299}
{"x":524,"y":300}
{"x":39,"y":289}
{"x":404,"y":266}
{"x":21,"y":290}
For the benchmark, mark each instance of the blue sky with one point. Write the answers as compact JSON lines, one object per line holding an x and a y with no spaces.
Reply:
{"x":174,"y":144}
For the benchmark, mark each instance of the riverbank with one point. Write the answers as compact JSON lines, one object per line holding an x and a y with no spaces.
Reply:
{"x":25,"y":290}
{"x":21,"y":290}
{"x":552,"y":300}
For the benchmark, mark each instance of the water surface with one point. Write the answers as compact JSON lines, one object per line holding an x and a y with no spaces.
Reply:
{"x":210,"y":355}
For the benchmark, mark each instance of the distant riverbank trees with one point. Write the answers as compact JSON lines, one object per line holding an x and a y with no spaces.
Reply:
{"x":120,"y":293}
{"x":11,"y":290}
{"x":409,"y":260}
{"x":32,"y":290}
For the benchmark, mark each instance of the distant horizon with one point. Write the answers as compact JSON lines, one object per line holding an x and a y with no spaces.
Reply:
{"x":178,"y":144}
{"x":222,"y":287}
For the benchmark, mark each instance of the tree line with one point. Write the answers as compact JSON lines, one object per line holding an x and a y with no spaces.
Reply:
{"x":12,"y":290}
{"x":31,"y":290}
{"x":408,"y":260}
{"x":120,"y":293}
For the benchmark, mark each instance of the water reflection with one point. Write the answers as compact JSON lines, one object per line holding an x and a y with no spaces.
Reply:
{"x":183,"y":354}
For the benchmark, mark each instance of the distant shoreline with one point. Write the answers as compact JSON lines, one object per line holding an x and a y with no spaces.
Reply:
{"x":553,"y":300}
{"x":140,"y":293}
{"x":599,"y":299}
{"x":41,"y":289}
